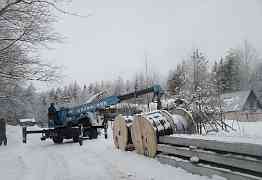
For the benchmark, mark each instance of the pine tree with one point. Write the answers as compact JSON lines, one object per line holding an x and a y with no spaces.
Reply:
{"x":84,"y":95}
{"x":256,"y":80}
{"x":76,"y":93}
{"x":176,"y":81}
{"x":119,"y":86}
{"x":232,"y":72}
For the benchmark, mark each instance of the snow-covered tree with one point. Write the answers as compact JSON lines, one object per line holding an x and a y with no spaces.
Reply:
{"x":232,"y":75}
{"x":118,"y":86}
{"x":198,"y":88}
{"x":176,"y":80}
{"x":256,"y":80}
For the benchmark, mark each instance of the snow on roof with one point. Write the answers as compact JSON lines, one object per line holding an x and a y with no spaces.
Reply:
{"x":27,"y":120}
{"x":234,"y":101}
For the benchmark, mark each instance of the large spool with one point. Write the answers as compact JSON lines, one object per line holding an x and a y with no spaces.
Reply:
{"x":122,"y":132}
{"x":146,"y":128}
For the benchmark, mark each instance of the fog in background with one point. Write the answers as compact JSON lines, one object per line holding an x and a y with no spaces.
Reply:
{"x":115,"y":39}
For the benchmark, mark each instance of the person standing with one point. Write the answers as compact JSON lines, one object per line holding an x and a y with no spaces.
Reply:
{"x":52,"y":116}
{"x":3,"y":138}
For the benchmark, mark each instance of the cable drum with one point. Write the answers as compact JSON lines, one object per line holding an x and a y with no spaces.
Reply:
{"x":122,"y":133}
{"x":183,"y":121}
{"x":162,"y":123}
{"x":148,"y":127}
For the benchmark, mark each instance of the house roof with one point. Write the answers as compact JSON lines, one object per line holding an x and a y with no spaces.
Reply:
{"x":234,"y":101}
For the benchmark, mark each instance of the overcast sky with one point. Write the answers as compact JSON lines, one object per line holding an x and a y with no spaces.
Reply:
{"x":114,"y":40}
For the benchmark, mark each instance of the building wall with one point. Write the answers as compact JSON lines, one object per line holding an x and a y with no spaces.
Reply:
{"x":244,"y":116}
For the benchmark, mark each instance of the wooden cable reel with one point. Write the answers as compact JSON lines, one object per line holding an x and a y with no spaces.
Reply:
{"x":122,"y":133}
{"x":146,"y":129}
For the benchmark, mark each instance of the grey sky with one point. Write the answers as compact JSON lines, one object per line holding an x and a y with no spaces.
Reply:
{"x":112,"y":42}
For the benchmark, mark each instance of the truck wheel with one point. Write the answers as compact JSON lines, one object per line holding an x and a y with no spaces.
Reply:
{"x":80,"y":142}
{"x":91,"y":133}
{"x":94,"y":133}
{"x":5,"y":141}
{"x":76,"y":138}
{"x":58,"y":139}
{"x":85,"y":132}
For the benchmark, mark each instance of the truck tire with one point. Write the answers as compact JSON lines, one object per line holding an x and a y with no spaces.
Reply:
{"x":94,"y":133}
{"x":76,"y":138}
{"x":85,"y":132}
{"x":58,"y":139}
{"x":80,"y":142}
{"x":5,"y":141}
{"x":91,"y":133}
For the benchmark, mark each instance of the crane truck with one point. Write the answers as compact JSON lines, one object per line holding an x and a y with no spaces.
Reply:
{"x":83,"y":121}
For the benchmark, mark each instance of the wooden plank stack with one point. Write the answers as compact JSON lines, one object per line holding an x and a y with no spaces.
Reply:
{"x":208,"y":157}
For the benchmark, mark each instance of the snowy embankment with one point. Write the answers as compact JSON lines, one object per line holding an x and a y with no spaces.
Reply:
{"x":96,"y":159}
{"x":244,"y":132}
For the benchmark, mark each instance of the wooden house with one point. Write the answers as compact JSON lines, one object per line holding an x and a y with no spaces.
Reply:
{"x":242,"y":106}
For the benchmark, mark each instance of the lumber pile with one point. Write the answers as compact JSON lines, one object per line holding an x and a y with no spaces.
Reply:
{"x":244,"y":160}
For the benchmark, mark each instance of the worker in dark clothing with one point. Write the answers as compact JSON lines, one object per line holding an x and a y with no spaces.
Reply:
{"x":3,"y":138}
{"x":52,"y":114}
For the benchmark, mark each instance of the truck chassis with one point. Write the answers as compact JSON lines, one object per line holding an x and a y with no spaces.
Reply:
{"x":58,"y":134}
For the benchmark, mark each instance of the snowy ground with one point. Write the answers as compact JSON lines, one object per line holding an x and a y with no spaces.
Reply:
{"x":96,"y":159}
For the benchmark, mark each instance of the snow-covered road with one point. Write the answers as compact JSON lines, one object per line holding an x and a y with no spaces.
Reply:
{"x":96,"y":159}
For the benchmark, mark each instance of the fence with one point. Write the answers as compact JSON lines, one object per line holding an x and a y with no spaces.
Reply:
{"x":244,"y":116}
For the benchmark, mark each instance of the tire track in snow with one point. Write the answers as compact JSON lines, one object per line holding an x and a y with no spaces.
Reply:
{"x":22,"y":166}
{"x":59,"y":166}
{"x":41,"y":162}
{"x":35,"y":162}
{"x":113,"y":171}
